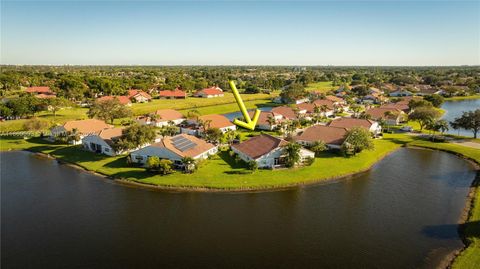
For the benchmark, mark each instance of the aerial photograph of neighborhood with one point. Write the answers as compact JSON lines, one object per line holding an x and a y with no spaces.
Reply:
{"x":240,"y":134}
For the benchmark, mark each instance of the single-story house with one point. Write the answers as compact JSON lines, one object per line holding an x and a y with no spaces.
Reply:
{"x":264,"y":123}
{"x":402,"y":105}
{"x":288,"y":112}
{"x":379,"y":113}
{"x":349,"y":123}
{"x":400,"y":93}
{"x":42,"y":92}
{"x":209,"y":92}
{"x":82,"y":127}
{"x":333,"y":137}
{"x":175,"y":94}
{"x":212,"y":121}
{"x":124,"y":100}
{"x":174,"y":149}
{"x":139,"y":96}
{"x":267,"y":151}
{"x":161,"y":117}
{"x":103,"y":141}
{"x":329,"y":106}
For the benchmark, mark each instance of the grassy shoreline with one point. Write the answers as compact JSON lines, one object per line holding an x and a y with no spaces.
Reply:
{"x":459,"y":98}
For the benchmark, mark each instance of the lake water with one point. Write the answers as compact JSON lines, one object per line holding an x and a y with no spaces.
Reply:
{"x":400,"y":214}
{"x":238,"y":114}
{"x":455,"y":109}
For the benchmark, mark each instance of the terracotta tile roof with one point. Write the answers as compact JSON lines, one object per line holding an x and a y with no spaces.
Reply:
{"x":210,"y":91}
{"x":325,"y":102}
{"x":349,"y":123}
{"x":89,"y":126}
{"x":41,"y":89}
{"x":217,"y":121}
{"x":132,"y":93}
{"x":263,"y":118}
{"x":124,"y":100}
{"x":174,"y":93}
{"x":327,"y":134}
{"x":285,"y":111}
{"x":379,"y":112}
{"x":260,"y":145}
{"x":334,"y":99}
{"x":309,"y":107}
{"x":169,"y":114}
{"x":200,"y":147}
{"x":400,"y":106}
{"x":109,"y":134}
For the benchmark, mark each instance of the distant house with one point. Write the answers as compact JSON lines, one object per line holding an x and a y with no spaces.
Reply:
{"x":349,"y":123}
{"x":329,"y":106}
{"x":209,"y":92}
{"x":381,"y":113}
{"x":264,"y":122}
{"x":400,"y":93}
{"x":374,"y":98}
{"x":211,"y":121}
{"x":102,"y":142}
{"x":161,"y":118}
{"x":333,"y":137}
{"x":175,"y":94}
{"x":267,"y":151}
{"x":335,"y":99}
{"x":402,"y":105}
{"x":124,"y":100}
{"x":288,"y":112}
{"x":82,"y":128}
{"x":425,"y":89}
{"x":174,"y":149}
{"x":42,"y":92}
{"x":139,"y":96}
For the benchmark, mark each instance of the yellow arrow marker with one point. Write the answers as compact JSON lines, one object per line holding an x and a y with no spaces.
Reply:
{"x":250,"y":123}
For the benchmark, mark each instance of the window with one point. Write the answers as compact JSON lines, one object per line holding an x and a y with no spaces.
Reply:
{"x":139,"y":158}
{"x":106,"y":149}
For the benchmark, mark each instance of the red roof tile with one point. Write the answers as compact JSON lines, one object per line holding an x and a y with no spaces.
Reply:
{"x":260,"y":145}
{"x":327,"y":134}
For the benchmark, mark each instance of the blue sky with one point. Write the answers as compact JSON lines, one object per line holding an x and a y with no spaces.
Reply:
{"x":241,"y":32}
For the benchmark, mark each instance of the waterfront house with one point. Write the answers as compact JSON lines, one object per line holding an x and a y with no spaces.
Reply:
{"x":174,"y":149}
{"x":103,"y":141}
{"x":267,"y":151}
{"x":175,"y":94}
{"x":209,"y":92}
{"x":139,"y":96}
{"x":349,"y":123}
{"x":161,"y":117}
{"x":400,"y":93}
{"x":192,"y":127}
{"x":80,"y":127}
{"x":392,"y":116}
{"x":333,"y":137}
{"x":124,"y":100}
{"x":288,"y":112}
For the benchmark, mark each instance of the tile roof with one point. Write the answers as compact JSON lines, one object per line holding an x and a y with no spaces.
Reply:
{"x":327,"y":134}
{"x":264,"y":115}
{"x":210,"y":91}
{"x":124,"y":100}
{"x":217,"y":121}
{"x":285,"y":111}
{"x":325,"y":102}
{"x":89,"y":126}
{"x":169,"y":114}
{"x":132,"y":93}
{"x":259,"y":145}
{"x":200,"y":147}
{"x":379,"y":112}
{"x":351,"y":122}
{"x":39,"y":89}
{"x":334,"y":98}
{"x":109,"y":134}
{"x":309,"y":107}
{"x":174,"y":93}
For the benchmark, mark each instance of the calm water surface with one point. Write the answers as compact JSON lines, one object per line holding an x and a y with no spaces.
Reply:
{"x":455,"y":109}
{"x":401,"y":214}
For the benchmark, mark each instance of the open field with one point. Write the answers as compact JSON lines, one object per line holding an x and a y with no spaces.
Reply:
{"x":196,"y":103}
{"x":322,"y":86}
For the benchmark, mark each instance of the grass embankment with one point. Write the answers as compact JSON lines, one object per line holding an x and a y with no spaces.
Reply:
{"x":458,"y":98}
{"x":221,"y":172}
{"x":322,"y":86}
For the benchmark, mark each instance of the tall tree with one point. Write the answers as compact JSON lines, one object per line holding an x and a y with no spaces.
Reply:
{"x":424,"y":116}
{"x":357,"y":139}
{"x":469,"y":120}
{"x":292,"y":157}
{"x":135,"y":136}
{"x":109,"y":110}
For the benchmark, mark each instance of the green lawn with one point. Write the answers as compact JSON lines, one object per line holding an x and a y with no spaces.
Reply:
{"x":197,"y":103}
{"x":463,"y":97}
{"x":322,"y":86}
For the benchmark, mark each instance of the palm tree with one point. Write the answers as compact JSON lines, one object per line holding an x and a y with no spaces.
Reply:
{"x":193,"y":115}
{"x":230,"y":135}
{"x":271,"y":121}
{"x":292,"y":151}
